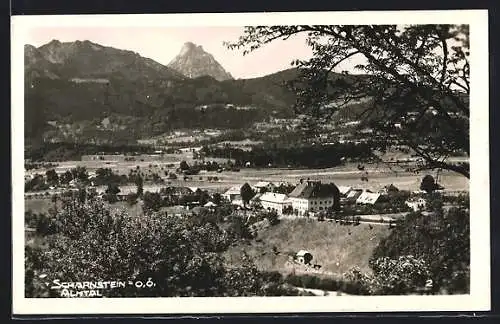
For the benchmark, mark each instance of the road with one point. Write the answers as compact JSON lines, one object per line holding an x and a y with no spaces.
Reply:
{"x":319,"y":292}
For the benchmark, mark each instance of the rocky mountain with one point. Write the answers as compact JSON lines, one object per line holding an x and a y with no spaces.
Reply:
{"x":192,"y":61}
{"x":84,"y":59}
{"x":78,"y":84}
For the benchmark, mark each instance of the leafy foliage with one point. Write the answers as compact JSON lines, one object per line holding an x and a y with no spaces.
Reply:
{"x":429,"y":184}
{"x":441,"y":240}
{"x":180,"y":256}
{"x":400,"y":276}
{"x":313,"y":156}
{"x":246,"y":193}
{"x":152,"y":201}
{"x":411,"y":68}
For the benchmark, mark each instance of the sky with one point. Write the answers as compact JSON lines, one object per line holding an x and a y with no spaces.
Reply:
{"x":162,"y":44}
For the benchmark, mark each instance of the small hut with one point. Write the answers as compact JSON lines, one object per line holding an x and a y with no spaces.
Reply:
{"x":304,"y":257}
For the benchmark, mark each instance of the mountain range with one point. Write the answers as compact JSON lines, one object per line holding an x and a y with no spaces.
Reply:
{"x":84,"y":82}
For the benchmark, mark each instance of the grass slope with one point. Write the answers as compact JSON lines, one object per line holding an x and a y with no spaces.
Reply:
{"x":330,"y":244}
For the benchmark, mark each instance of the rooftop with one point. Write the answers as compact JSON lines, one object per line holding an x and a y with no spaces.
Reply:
{"x":368,"y":198}
{"x":234,"y":190}
{"x":262,"y":184}
{"x":274,"y":197}
{"x":314,"y":189}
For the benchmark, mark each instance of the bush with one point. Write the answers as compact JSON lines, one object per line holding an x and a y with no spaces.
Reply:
{"x":272,"y":217}
{"x":441,"y":240}
{"x":179,"y":256}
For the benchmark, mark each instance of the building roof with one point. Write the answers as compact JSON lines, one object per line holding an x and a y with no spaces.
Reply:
{"x":262,"y":184}
{"x":344,"y":189}
{"x":274,"y":197}
{"x":302,"y":253}
{"x":256,"y":197}
{"x":416,"y":200}
{"x":152,"y":188}
{"x":314,"y":189}
{"x":368,"y":198}
{"x":234,"y":190}
{"x":126,"y":191}
{"x":354,"y":193}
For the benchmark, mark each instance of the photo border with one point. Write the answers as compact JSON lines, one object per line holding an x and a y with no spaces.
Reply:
{"x":479,"y":298}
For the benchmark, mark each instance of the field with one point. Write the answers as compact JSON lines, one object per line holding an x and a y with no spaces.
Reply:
{"x":378,"y":175}
{"x":37,"y":205}
{"x":331,"y":245}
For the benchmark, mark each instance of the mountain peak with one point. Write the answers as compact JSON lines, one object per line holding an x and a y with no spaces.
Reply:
{"x":192,"y":61}
{"x":189,"y":47}
{"x":85,"y":59}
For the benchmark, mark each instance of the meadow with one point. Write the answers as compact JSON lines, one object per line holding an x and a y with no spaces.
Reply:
{"x":337,"y":248}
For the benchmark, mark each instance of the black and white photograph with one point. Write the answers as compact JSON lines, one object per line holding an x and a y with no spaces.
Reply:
{"x":251,"y":163}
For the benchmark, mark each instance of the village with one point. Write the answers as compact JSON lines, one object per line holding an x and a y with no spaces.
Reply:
{"x":181,"y":191}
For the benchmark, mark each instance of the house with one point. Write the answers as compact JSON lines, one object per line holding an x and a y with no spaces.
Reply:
{"x":368,"y":198}
{"x":353,"y":194}
{"x":194,"y":189}
{"x":304,"y":257}
{"x":210,"y":205}
{"x":389,"y":189}
{"x":314,"y":196}
{"x":344,"y":190}
{"x":174,"y":191}
{"x":416,"y":203}
{"x":264,"y":186}
{"x":124,"y":192}
{"x":233,"y":193}
{"x":274,"y":202}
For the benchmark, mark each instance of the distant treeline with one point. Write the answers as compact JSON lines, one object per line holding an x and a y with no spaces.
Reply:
{"x":313,"y":156}
{"x":73,"y":151}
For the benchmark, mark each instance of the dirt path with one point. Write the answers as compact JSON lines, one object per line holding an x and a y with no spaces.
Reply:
{"x":319,"y":292}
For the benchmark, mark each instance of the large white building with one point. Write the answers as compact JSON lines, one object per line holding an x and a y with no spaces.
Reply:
{"x":314,"y":196}
{"x":274,"y":202}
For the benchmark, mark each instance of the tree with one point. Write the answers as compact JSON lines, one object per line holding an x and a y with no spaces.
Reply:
{"x":66,"y":177}
{"x":246,"y":193}
{"x":35,"y":184}
{"x":442,"y":242}
{"x":400,"y":276}
{"x":184,"y":166}
{"x":428,"y":184}
{"x":112,"y":189}
{"x":52,"y":177}
{"x":410,"y":68}
{"x":217,"y":198}
{"x":139,"y":183}
{"x":80,"y":173}
{"x":273,"y":218}
{"x":151,"y":201}
{"x":179,"y":256}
